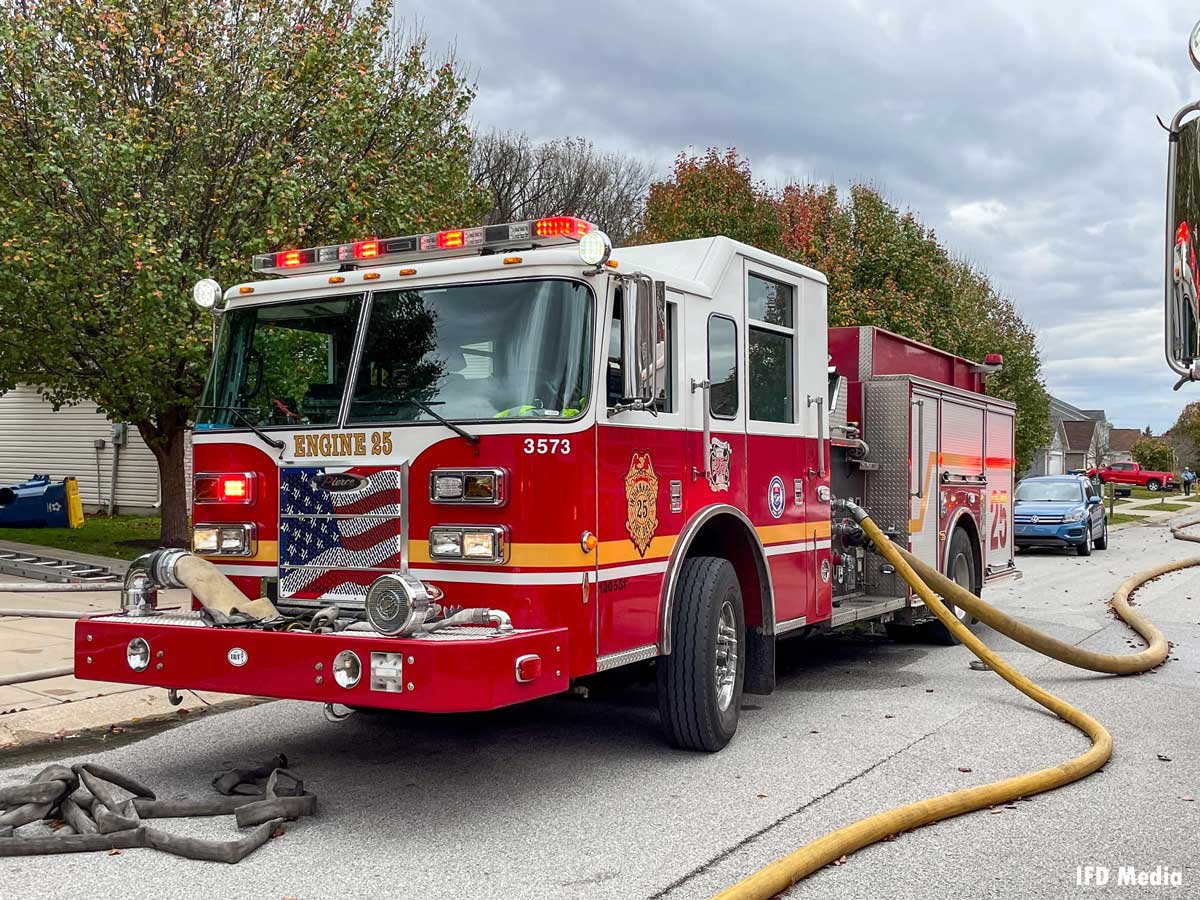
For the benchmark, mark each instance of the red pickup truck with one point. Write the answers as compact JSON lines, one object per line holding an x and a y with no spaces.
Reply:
{"x":1132,"y":473}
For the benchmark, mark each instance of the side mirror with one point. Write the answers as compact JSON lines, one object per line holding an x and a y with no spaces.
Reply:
{"x":1094,"y":499}
{"x":1183,"y":235}
{"x":645,"y":341}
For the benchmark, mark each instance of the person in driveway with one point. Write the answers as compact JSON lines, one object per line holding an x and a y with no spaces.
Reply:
{"x":1188,"y":478}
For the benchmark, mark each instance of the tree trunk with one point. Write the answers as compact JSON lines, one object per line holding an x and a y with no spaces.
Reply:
{"x":167,"y":439}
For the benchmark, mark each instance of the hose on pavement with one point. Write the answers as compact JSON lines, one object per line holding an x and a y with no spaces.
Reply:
{"x":923,"y":579}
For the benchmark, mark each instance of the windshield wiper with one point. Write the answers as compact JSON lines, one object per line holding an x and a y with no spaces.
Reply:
{"x":245,"y":420}
{"x":457,"y":429}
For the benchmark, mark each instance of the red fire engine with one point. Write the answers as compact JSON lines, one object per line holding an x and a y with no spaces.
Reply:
{"x":464,"y":469}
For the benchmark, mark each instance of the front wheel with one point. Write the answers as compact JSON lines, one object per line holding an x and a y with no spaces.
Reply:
{"x":700,"y":683}
{"x":1154,"y":485}
{"x":1085,"y":549}
{"x":1102,"y":541}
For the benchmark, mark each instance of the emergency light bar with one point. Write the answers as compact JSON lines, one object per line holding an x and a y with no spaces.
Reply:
{"x":455,"y":242}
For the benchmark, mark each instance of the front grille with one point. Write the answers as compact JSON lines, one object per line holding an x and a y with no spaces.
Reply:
{"x":333,"y":544}
{"x":1041,"y":520}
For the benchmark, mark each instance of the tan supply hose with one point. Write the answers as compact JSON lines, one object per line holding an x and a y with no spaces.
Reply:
{"x":783,"y":873}
{"x":210,"y":586}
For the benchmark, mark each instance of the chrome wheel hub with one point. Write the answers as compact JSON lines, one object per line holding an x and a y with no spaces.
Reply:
{"x":727,"y":656}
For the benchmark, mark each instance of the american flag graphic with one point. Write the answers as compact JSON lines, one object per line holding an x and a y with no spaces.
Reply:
{"x":333,"y":544}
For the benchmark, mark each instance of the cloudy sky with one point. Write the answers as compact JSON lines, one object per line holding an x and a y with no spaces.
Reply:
{"x":1023,"y":131}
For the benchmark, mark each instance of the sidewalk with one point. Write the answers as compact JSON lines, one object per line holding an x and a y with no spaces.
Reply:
{"x":41,"y":711}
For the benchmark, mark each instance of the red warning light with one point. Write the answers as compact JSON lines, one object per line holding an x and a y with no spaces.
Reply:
{"x":288,"y":259}
{"x":561,"y":226}
{"x":366,"y":249}
{"x":451,"y":240}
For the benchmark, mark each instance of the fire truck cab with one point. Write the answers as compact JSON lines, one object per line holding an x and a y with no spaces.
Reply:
{"x":468,"y":468}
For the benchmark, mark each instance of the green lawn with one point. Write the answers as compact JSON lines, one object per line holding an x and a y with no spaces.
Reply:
{"x":1124,"y":519}
{"x":1143,"y":494}
{"x":1164,"y":507}
{"x":123,"y":537}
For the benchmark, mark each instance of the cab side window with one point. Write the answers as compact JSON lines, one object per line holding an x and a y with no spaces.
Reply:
{"x":771,"y":349}
{"x":615,"y":373}
{"x":722,"y":367}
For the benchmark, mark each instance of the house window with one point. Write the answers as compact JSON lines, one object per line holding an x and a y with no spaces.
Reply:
{"x":771,"y":308}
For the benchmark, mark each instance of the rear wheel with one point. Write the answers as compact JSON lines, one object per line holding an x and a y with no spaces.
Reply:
{"x":1154,"y":485}
{"x":700,"y":683}
{"x":960,"y":568}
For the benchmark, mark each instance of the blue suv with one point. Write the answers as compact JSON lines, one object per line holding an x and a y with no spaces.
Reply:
{"x":1060,"y":511}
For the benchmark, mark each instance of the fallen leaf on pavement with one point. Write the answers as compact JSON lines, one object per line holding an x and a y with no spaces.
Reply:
{"x":964,"y":769}
{"x":1164,"y":758}
{"x":115,"y":852}
{"x":1188,"y":799}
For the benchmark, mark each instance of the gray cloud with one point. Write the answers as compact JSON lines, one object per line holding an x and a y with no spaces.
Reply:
{"x":1023,"y":132}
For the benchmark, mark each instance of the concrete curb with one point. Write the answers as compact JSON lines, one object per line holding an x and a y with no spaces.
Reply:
{"x":111,"y":713}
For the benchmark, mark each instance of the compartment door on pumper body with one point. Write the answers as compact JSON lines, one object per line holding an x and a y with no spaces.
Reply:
{"x":923,"y":452}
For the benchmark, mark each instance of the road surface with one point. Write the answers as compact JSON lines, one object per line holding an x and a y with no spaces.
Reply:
{"x":581,"y":798}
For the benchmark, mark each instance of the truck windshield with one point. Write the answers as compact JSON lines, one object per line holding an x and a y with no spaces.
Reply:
{"x":281,"y":364}
{"x":1049,"y":492}
{"x":483,"y":351}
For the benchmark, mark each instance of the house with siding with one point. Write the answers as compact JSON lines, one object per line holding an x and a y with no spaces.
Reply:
{"x":76,"y":441}
{"x":1050,"y":459}
{"x":1120,"y":444}
{"x":1086,"y":444}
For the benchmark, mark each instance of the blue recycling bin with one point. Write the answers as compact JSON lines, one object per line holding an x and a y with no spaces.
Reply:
{"x":38,"y":502}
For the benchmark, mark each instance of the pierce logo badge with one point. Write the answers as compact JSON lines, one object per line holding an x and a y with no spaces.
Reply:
{"x":641,"y":499}
{"x":340,"y":481}
{"x":776,"y":497}
{"x":720,"y":454}
{"x":237,"y":656}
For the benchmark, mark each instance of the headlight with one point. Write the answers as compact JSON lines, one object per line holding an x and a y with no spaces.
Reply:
{"x":479,"y":545}
{"x":224,"y":540}
{"x":1075,"y":515}
{"x":474,"y":487}
{"x":137,"y":654}
{"x":484,"y":543}
{"x":446,"y":543}
{"x":347,"y":669}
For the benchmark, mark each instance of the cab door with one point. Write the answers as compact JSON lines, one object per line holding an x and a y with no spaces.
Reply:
{"x":642,"y":476}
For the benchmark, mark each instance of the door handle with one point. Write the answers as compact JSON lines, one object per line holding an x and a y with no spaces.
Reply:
{"x":820,"y":402}
{"x":704,"y":387}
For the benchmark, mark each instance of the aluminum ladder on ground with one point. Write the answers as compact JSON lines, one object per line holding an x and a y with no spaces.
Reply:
{"x":49,"y":568}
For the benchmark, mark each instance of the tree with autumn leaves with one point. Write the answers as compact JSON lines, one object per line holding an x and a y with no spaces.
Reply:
{"x":145,"y":146}
{"x":884,"y":268}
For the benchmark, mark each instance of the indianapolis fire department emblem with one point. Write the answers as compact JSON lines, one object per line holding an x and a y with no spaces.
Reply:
{"x":719,"y":454}
{"x":641,"y":498}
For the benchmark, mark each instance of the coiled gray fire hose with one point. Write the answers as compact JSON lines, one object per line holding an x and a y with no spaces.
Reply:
{"x":102,"y":809}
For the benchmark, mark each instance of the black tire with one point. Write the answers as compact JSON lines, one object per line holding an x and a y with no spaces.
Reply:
{"x":1085,"y":547}
{"x":1153,"y":485}
{"x":695,"y":714}
{"x":1102,"y":541}
{"x":961,"y":569}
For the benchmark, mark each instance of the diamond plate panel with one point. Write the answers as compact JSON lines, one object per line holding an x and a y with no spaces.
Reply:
{"x":886,"y":420}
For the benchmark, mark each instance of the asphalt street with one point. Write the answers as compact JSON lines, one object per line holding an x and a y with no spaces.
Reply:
{"x":581,"y":798}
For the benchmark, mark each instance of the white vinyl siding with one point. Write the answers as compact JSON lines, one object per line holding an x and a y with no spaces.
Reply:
{"x":34,"y":439}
